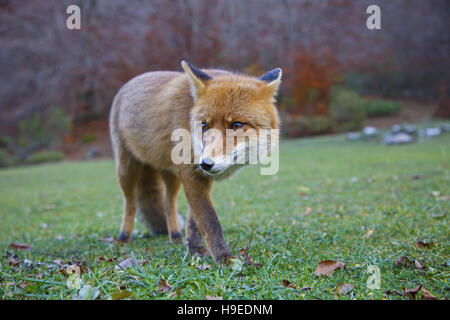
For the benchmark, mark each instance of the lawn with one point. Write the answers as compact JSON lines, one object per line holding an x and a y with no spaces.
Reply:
{"x":359,"y":203}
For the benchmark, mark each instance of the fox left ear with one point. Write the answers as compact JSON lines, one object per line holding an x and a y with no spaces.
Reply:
{"x":273,"y":79}
{"x":196,"y":77}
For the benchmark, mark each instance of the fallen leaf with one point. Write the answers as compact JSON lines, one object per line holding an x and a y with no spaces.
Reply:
{"x":73,"y":269}
{"x":249,"y":262}
{"x":308,"y":211}
{"x":403,"y":262}
{"x":344,"y":288}
{"x":107,"y":259}
{"x":412,"y":293}
{"x":369,"y":232}
{"x":285,"y":283}
{"x":164,"y":286}
{"x":417,"y":176}
{"x":302,"y":191}
{"x":327,"y":267}
{"x":24,"y":284}
{"x":128,"y":263}
{"x":426,"y":295}
{"x":108,"y":239}
{"x":421,"y":244}
{"x":213,"y":298}
{"x":120,"y":295}
{"x":243,"y":251}
{"x":419,"y":265}
{"x":203,"y":267}
{"x":19,"y":246}
{"x":59,"y":237}
{"x":88,"y":293}
{"x":49,"y":207}
{"x":13,"y":262}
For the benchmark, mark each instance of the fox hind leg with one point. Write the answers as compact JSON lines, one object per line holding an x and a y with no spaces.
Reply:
{"x":128,"y":172}
{"x":173,"y":185}
{"x":151,"y":200}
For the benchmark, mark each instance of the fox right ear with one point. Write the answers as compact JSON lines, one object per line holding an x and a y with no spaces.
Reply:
{"x":196,"y":78}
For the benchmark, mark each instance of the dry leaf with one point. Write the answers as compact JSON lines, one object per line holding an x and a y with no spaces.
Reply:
{"x":308,"y":211}
{"x":423,"y":245}
{"x":426,"y":295}
{"x":285,"y":283}
{"x":369,"y":232}
{"x":249,"y":262}
{"x":164,"y":286}
{"x":419,"y":265}
{"x":73,"y":269}
{"x":50,"y":207}
{"x":213,"y":298}
{"x":107,"y":259}
{"x":403,"y":262}
{"x":108,"y":239}
{"x":120,"y":295}
{"x":13,"y":262}
{"x":344,"y":288}
{"x":243,"y":251}
{"x":327,"y":267}
{"x":128,"y":263}
{"x":19,"y":246}
{"x":412,"y":293}
{"x":203,"y":267}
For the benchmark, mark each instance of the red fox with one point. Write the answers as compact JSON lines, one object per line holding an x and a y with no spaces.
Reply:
{"x":144,"y":114}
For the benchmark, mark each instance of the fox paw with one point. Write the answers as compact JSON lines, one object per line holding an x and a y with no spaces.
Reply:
{"x":176,"y":237}
{"x":124,"y":236}
{"x":199,"y":251}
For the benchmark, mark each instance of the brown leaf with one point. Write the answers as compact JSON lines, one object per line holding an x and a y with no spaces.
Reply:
{"x":213,"y":298}
{"x":426,"y":295}
{"x":243,"y":251}
{"x":412,"y":293}
{"x":24,"y":284}
{"x":128,"y":263}
{"x":50,"y":207}
{"x":423,"y":245}
{"x":19,"y":246}
{"x":327,"y":267}
{"x":344,"y":288}
{"x":120,"y":295}
{"x":249,"y":262}
{"x":107,"y":259}
{"x":285,"y":283}
{"x":403,"y":262}
{"x":419,"y":265}
{"x":203,"y":267}
{"x":108,"y":239}
{"x":308,"y":211}
{"x":13,"y":262}
{"x":73,"y":269}
{"x":164,"y":286}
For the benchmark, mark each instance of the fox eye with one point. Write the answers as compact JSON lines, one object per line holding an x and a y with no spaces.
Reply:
{"x":236,"y":125}
{"x":204,"y":126}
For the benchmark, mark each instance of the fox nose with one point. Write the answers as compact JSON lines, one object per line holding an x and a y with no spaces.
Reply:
{"x":207,"y":164}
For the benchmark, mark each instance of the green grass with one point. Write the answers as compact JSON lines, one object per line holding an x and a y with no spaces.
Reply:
{"x":65,"y":210}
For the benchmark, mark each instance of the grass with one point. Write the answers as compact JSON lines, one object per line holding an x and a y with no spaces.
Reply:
{"x":67,"y":211}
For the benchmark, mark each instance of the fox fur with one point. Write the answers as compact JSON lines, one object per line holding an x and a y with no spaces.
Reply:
{"x":146,"y":111}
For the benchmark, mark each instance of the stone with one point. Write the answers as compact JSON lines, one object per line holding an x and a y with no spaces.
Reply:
{"x":370,"y":131}
{"x":397,"y":138}
{"x":432,"y":132}
{"x":354,"y":136}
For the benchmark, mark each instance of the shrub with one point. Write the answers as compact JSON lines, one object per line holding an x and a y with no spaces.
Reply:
{"x":380,"y":107}
{"x":45,"y":156}
{"x":297,"y":126}
{"x":6,"y":159}
{"x":347,"y":110}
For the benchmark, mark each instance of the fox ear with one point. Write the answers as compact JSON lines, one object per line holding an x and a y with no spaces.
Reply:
{"x":196,"y":77}
{"x":273,"y":79}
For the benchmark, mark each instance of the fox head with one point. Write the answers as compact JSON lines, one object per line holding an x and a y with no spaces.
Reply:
{"x":230,"y":112}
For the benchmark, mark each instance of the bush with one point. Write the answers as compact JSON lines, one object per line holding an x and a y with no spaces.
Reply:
{"x":298,"y":126}
{"x":45,"y":156}
{"x":347,"y":110}
{"x":6,"y":159}
{"x":378,"y":108}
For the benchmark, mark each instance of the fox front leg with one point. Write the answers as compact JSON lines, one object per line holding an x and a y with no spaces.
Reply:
{"x":205,"y":217}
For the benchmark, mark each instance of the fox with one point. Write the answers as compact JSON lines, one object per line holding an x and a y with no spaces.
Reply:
{"x":147,"y":110}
